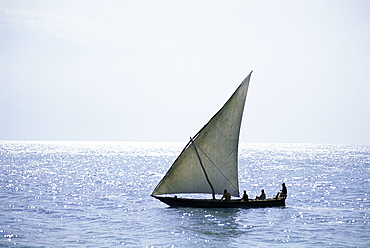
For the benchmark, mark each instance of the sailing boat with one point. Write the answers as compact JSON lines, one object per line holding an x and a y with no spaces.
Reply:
{"x":209,"y":162}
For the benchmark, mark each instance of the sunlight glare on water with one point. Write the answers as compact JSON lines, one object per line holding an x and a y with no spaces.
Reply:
{"x":69,"y":194}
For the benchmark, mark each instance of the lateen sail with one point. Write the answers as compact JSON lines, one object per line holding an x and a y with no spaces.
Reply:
{"x":217,"y":144}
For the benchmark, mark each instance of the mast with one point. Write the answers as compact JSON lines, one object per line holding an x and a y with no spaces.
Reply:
{"x":204,"y":170}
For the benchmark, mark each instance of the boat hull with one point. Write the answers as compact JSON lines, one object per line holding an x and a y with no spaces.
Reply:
{"x":206,"y":203}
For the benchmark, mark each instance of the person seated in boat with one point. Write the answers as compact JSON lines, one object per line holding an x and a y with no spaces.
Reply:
{"x":283,"y":193}
{"x":245,"y":196}
{"x":262,"y":196}
{"x":226,"y":196}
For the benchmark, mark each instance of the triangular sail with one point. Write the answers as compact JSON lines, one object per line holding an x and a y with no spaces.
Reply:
{"x":217,"y":144}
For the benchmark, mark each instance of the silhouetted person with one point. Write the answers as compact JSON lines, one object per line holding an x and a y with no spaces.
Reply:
{"x":284,"y":191}
{"x":245,"y":196}
{"x":262,"y":196}
{"x":226,"y":196}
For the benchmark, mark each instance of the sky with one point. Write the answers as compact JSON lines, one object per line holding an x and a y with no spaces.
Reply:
{"x":159,"y":70}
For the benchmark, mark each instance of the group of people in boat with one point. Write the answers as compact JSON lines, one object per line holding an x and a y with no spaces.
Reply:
{"x":282,"y":194}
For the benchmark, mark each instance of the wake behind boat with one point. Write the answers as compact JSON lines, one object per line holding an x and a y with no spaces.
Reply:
{"x":209,"y":162}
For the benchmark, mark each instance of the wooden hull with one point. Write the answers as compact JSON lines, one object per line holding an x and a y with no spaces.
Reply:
{"x":205,"y":203}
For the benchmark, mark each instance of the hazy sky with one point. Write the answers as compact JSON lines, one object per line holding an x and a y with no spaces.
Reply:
{"x":159,"y":70}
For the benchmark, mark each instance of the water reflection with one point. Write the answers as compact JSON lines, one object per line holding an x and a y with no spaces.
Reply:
{"x":210,"y":225}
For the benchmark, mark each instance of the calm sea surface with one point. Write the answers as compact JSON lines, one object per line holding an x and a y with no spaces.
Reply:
{"x":97,"y":194}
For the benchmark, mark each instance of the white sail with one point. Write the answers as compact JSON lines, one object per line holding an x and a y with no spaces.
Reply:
{"x":217,"y":145}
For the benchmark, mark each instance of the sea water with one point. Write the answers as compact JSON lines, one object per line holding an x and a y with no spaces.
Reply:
{"x":97,"y":194}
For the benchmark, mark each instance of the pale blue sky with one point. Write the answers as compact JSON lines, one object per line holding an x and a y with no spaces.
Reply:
{"x":159,"y":70}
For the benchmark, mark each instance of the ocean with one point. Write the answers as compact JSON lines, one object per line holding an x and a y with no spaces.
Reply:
{"x":97,"y":194}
